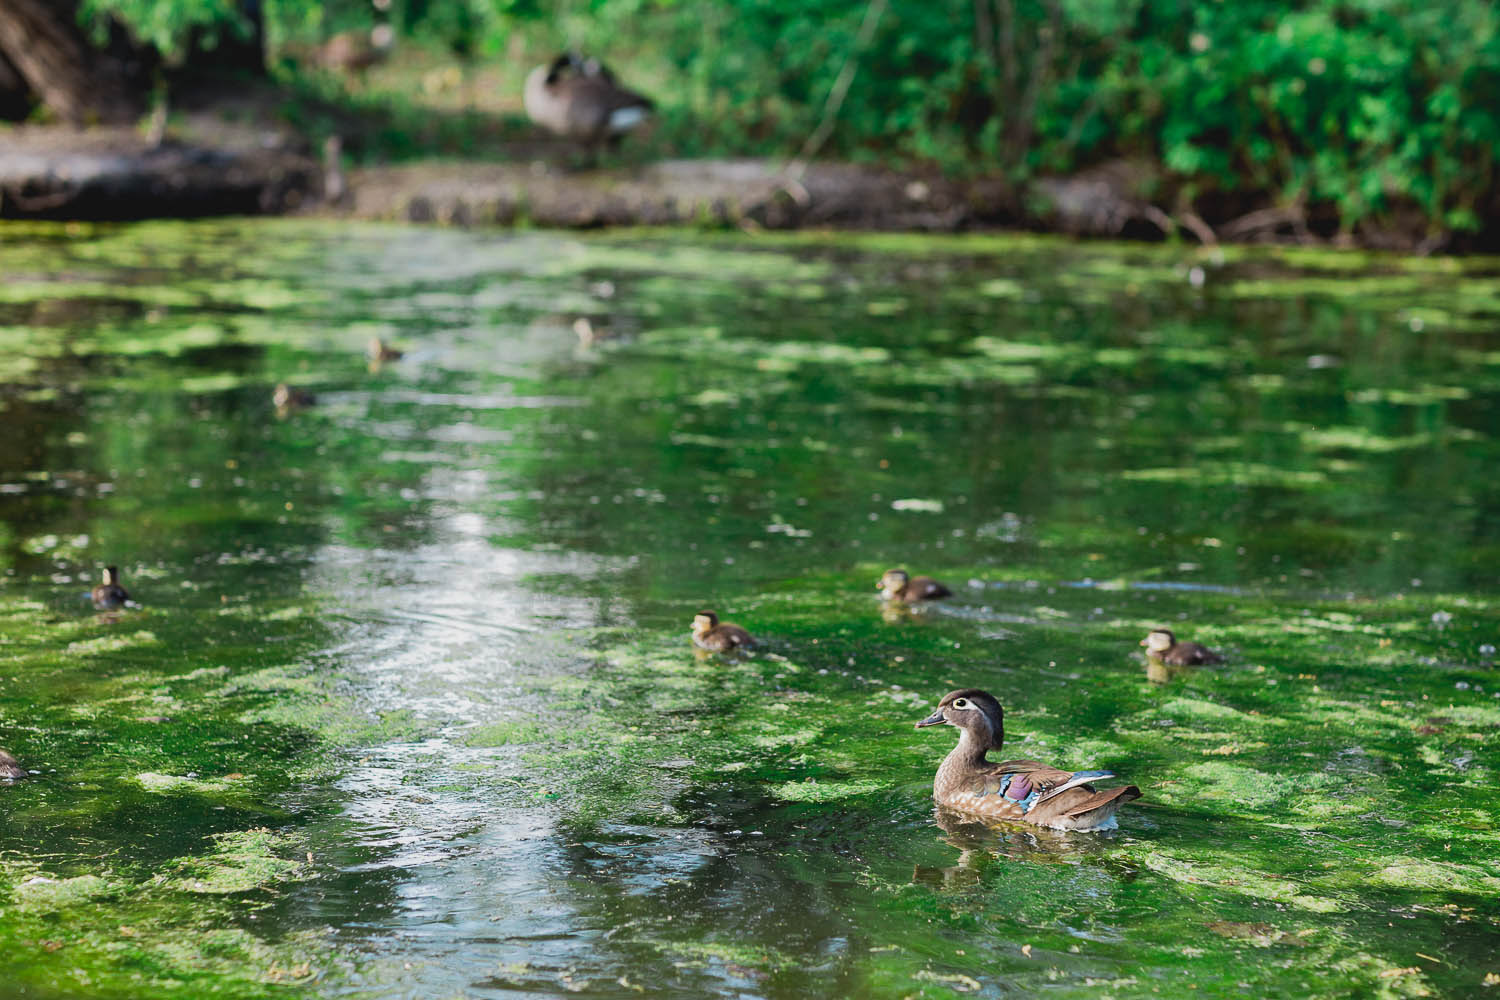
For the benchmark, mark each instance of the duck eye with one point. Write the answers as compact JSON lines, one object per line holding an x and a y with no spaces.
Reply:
{"x":961,"y":703}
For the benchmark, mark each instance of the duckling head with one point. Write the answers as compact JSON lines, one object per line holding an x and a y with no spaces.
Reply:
{"x":974,"y":711}
{"x":892,"y":581}
{"x":704,"y":621}
{"x":1159,"y":640}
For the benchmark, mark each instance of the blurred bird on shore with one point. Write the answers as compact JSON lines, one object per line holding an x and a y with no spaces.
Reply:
{"x":580,"y":99}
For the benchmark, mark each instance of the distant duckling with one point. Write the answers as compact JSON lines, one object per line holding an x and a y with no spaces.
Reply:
{"x":580,"y":99}
{"x":11,"y":769}
{"x":287,"y":398}
{"x":1162,"y":645}
{"x":379,"y":351}
{"x":109,"y":595}
{"x":718,"y":637}
{"x":897,"y":585}
{"x":588,"y":334}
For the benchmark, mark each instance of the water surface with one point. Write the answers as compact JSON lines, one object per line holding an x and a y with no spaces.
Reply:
{"x":409,"y":709}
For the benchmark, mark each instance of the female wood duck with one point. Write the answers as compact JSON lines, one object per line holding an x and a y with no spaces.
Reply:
{"x":716,"y":637}
{"x":580,"y":99}
{"x":11,"y":769}
{"x":1025,"y":790}
{"x":109,"y":595}
{"x":1162,"y":645}
{"x":897,"y":585}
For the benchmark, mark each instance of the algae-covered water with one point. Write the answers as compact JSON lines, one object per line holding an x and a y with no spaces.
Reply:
{"x":409,"y":707}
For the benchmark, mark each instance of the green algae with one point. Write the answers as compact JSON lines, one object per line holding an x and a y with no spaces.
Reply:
{"x":451,"y":604}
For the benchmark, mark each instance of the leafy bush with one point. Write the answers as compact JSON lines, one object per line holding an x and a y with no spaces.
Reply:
{"x":1348,"y":110}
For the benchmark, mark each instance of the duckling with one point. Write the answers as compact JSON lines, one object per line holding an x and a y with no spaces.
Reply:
{"x":896,"y":585}
{"x":11,"y":769}
{"x":588,"y":334}
{"x":716,"y":637}
{"x":1025,"y":790}
{"x":1162,"y":645}
{"x":379,"y":350}
{"x":580,"y":99}
{"x":109,"y":595}
{"x":289,"y":399}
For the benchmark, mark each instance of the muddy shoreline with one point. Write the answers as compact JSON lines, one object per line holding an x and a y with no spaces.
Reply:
{"x":117,"y":174}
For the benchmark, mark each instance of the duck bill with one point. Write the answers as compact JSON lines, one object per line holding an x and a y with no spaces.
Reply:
{"x":1144,"y":642}
{"x":935,"y":719}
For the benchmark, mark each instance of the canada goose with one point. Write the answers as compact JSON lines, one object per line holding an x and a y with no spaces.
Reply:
{"x":580,"y":99}
{"x":357,"y":51}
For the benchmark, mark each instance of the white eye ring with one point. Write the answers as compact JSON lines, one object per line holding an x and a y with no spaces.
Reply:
{"x":961,"y":703}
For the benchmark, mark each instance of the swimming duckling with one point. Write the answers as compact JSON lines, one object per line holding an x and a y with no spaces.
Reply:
{"x":580,"y":99}
{"x":1025,"y":790}
{"x":897,"y":585}
{"x":1162,"y":645}
{"x":288,"y":399}
{"x":109,"y":595}
{"x":716,"y":637}
{"x":11,"y":769}
{"x":588,"y":334}
{"x":378,"y":351}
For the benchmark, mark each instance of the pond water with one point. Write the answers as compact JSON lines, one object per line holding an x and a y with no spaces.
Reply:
{"x":409,"y":709}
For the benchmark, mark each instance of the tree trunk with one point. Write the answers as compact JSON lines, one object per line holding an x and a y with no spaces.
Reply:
{"x":42,"y":40}
{"x":15,"y":96}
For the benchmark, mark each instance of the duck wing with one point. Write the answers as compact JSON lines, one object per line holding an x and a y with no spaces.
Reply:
{"x":1055,"y":795}
{"x":927,"y":589}
{"x":1189,"y":654}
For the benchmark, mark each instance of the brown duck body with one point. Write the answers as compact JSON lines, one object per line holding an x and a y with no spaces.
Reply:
{"x":109,"y":595}
{"x":722,"y":638}
{"x":1162,"y":645}
{"x":1027,"y":791}
{"x":10,"y":768}
{"x":719,"y":637}
{"x":896,"y":585}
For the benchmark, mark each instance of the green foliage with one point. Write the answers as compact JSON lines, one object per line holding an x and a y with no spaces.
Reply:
{"x":1343,"y":110}
{"x":171,"y":26}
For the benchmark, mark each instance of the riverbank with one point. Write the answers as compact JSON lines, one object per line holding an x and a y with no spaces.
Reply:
{"x":55,"y":172}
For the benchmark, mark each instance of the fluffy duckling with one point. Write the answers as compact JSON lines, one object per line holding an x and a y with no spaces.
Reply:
{"x":1024,"y":790}
{"x":898,"y":585}
{"x":288,"y":399}
{"x":1162,"y":645}
{"x":588,"y":334}
{"x":109,"y":595}
{"x":580,"y":99}
{"x":11,"y":769}
{"x":718,"y":637}
{"x":379,"y":351}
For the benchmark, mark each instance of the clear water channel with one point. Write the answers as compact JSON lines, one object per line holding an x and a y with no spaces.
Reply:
{"x":408,"y":707}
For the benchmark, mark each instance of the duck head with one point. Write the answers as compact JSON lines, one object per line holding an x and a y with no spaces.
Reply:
{"x":893,"y":581}
{"x":111,"y":575}
{"x":1159,"y":640}
{"x":704,"y":621}
{"x":975,"y":712}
